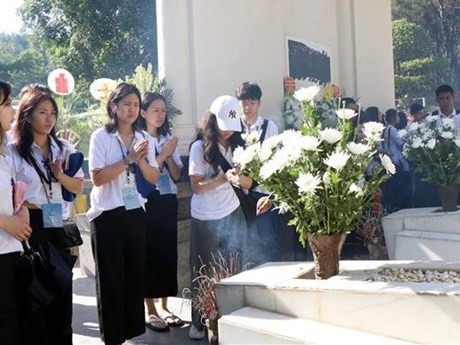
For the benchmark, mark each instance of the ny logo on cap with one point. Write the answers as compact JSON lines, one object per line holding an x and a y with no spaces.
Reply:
{"x":232,"y":114}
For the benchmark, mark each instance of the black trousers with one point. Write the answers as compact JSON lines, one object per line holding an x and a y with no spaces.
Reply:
{"x":9,"y":300}
{"x":161,"y":246}
{"x":51,"y":325}
{"x":207,"y":237}
{"x":118,"y":242}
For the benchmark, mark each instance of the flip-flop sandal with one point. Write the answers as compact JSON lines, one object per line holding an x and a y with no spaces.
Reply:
{"x":173,"y":320}
{"x":157,"y":324}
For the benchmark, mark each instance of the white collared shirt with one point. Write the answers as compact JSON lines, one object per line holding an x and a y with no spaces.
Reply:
{"x":175,"y":156}
{"x":8,"y":244}
{"x":105,"y":150}
{"x":35,"y":192}
{"x":453,"y":115}
{"x":217,"y":203}
{"x":272,"y":129}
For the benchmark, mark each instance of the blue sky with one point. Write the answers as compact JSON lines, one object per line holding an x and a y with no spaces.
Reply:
{"x":9,"y":20}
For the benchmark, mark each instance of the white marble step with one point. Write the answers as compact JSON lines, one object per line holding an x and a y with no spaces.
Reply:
{"x":423,"y":219}
{"x":256,"y":326}
{"x":427,"y":245}
{"x":349,"y":300}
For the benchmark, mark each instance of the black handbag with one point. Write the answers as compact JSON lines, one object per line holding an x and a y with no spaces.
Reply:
{"x":44,"y":276}
{"x":68,"y":236}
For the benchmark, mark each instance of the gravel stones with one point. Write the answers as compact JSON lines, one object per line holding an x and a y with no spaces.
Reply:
{"x":415,"y":276}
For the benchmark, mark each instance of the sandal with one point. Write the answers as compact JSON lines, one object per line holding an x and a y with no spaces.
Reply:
{"x":157,"y":324}
{"x":173,"y":320}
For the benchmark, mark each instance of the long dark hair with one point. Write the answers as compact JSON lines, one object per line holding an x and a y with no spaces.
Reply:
{"x":24,"y":133}
{"x":122,"y":90}
{"x":208,"y":132}
{"x":5,"y":93}
{"x":149,"y":98}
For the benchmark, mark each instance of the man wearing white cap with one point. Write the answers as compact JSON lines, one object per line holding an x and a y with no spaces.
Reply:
{"x":217,"y":222}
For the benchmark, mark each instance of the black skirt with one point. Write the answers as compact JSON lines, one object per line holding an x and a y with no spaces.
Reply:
{"x":161,"y":246}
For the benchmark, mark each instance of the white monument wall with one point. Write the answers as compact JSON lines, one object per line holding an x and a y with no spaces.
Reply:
{"x":208,"y":47}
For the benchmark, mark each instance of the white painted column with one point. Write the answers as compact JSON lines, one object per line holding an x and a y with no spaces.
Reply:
{"x":176,"y":64}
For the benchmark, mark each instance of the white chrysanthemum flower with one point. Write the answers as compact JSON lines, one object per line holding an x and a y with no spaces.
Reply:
{"x":326,"y":178}
{"x":266,"y":149}
{"x":307,"y":183}
{"x":346,"y":114}
{"x":402,"y":133}
{"x":431,"y":143}
{"x":252,"y":137}
{"x":278,"y":162}
{"x":337,"y":160}
{"x":457,"y":141}
{"x":448,"y":123}
{"x":373,"y":130}
{"x":310,"y":143}
{"x":357,"y":148}
{"x":417,"y":142}
{"x":283,"y":207}
{"x":354,"y":188}
{"x":387,"y":164}
{"x":307,"y":94}
{"x":431,"y":118}
{"x":243,"y":156}
{"x":447,"y":135}
{"x":428,"y":134}
{"x":413,"y":126}
{"x":330,"y":135}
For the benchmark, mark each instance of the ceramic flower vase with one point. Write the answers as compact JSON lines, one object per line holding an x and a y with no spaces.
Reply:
{"x":326,"y":254}
{"x":449,"y":194}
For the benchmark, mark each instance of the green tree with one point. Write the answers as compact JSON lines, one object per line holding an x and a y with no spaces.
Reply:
{"x":20,"y":63}
{"x":94,"y":38}
{"x":441,"y":22}
{"x":417,"y":71}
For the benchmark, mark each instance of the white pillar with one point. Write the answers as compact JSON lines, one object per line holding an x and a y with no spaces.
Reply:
{"x":176,"y":64}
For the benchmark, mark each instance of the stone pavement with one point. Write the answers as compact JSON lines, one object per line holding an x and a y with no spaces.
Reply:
{"x":86,"y":326}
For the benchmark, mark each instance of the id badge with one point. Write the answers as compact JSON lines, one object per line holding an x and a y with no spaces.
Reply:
{"x":163,"y":184}
{"x":52,"y":215}
{"x":130,"y":197}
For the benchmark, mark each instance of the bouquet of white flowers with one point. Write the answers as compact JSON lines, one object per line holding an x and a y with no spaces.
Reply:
{"x":318,"y":173}
{"x":434,"y":151}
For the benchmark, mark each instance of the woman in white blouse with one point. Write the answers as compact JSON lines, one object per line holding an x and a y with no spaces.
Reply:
{"x":37,"y":156}
{"x":13,"y":230}
{"x":117,"y":217}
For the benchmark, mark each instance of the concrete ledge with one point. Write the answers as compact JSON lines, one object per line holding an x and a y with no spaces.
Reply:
{"x":350,"y":300}
{"x":256,"y":326}
{"x":427,"y":245}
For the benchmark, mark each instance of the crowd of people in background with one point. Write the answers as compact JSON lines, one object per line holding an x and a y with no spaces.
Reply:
{"x":134,"y":164}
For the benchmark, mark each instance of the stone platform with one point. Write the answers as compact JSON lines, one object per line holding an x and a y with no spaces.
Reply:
{"x":423,"y":234}
{"x":278,"y":303}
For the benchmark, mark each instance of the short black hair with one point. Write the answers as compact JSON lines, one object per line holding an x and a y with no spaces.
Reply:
{"x":248,"y":90}
{"x":415,"y":108}
{"x":390,"y":115}
{"x":443,"y":89}
{"x":346,"y":101}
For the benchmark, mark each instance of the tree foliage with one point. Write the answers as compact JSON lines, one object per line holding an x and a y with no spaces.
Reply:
{"x":20,"y":63}
{"x":439,"y":22}
{"x":94,"y":38}
{"x":417,"y":71}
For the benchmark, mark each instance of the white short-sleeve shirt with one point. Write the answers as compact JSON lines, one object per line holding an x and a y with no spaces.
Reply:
{"x":271,"y":131}
{"x":217,"y":203}
{"x":105,"y":150}
{"x":8,"y":244}
{"x":35,"y":192}
{"x":172,"y":189}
